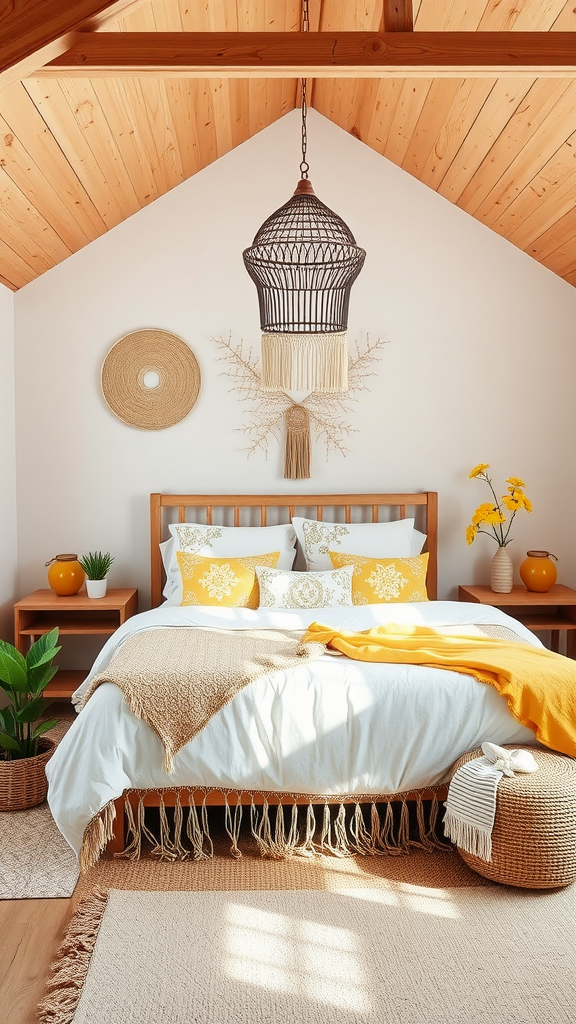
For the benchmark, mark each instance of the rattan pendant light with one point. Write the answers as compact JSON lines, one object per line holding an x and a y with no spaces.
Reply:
{"x":304,"y":261}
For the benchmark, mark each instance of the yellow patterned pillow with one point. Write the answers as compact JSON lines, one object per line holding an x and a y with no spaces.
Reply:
{"x":225,"y":582}
{"x":379,"y":580}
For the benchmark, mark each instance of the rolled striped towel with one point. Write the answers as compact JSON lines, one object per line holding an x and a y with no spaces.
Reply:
{"x":471,"y":802}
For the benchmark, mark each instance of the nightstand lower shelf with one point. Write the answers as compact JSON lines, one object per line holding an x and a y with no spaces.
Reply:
{"x":65,"y":682}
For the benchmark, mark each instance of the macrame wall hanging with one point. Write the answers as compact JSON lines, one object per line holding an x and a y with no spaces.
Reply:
{"x":297,"y":448}
{"x":304,"y":261}
{"x":275,"y":414}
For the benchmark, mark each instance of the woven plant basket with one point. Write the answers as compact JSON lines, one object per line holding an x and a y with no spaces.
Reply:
{"x":534,"y":834}
{"x":23,"y":782}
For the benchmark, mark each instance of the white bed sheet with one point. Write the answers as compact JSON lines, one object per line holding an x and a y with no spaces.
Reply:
{"x":333,"y":726}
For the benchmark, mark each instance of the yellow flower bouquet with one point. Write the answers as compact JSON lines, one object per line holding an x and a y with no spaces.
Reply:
{"x":491,"y":514}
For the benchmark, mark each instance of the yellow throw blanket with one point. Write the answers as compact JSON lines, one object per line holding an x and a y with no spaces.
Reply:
{"x":539,"y":686}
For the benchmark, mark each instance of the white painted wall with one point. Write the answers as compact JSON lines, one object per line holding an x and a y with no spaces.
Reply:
{"x":480,"y":366}
{"x":8,"y":537}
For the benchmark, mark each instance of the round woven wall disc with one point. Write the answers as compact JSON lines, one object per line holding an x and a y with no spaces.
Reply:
{"x":150,"y":379}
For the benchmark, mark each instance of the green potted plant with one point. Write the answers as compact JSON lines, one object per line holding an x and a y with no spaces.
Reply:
{"x":24,"y":750}
{"x":96,"y":565}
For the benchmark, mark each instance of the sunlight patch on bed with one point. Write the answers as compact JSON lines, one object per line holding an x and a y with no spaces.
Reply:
{"x":285,"y":954}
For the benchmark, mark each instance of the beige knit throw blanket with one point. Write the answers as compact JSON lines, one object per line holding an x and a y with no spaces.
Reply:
{"x":176,"y":679}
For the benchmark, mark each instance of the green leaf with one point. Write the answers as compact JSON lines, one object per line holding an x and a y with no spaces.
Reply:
{"x":8,"y":742}
{"x":7,"y":721}
{"x":96,"y":564}
{"x":39,"y":677}
{"x":43,"y":727}
{"x":32,"y":710}
{"x":43,"y":650}
{"x":13,"y":670}
{"x":12,"y":652}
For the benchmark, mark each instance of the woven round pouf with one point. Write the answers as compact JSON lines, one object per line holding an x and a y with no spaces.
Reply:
{"x":534,"y":834}
{"x":150,"y":379}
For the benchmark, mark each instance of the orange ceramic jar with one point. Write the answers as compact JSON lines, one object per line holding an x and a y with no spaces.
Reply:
{"x":65,"y":575}
{"x":538,"y":572}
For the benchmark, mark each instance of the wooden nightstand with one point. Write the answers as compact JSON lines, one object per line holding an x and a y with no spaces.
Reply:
{"x":555,"y":610}
{"x":77,"y":615}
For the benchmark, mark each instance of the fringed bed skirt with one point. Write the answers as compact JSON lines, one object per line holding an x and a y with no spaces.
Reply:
{"x":357,"y":825}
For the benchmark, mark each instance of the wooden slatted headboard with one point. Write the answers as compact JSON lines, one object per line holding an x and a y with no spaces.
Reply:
{"x":338,"y":505}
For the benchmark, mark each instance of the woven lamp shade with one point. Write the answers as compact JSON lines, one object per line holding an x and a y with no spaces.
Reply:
{"x":534,"y":834}
{"x":304,"y":261}
{"x":124,"y":379}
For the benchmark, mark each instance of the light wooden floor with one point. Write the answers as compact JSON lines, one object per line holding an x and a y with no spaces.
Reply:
{"x":30,"y":933}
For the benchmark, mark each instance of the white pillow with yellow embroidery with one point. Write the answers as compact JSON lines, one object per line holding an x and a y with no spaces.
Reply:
{"x":380,"y":580}
{"x":385,"y":540}
{"x":329,"y":589}
{"x":224,"y":582}
{"x":223,"y":542}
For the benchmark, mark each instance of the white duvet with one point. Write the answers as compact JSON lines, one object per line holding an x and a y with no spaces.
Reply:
{"x":332,"y":726}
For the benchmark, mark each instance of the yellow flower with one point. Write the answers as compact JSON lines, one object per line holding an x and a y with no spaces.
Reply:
{"x":471,"y":532}
{"x":495,"y":517}
{"x":516,"y":500}
{"x":483,"y":513}
{"x":511,"y":502}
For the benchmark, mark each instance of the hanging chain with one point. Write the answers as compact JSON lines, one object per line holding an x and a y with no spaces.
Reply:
{"x":304,"y":165}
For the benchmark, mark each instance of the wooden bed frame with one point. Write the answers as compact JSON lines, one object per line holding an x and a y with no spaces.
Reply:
{"x":342,"y":508}
{"x":243,"y":509}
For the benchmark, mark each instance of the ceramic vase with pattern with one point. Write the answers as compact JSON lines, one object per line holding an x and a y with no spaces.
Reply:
{"x":501,"y":572}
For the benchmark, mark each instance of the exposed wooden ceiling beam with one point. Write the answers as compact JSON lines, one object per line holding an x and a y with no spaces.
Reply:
{"x":397,"y":16}
{"x":319,"y":55}
{"x":33,"y":32}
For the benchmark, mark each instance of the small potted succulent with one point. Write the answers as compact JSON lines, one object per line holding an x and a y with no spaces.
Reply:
{"x":24,"y":750}
{"x":96,"y":565}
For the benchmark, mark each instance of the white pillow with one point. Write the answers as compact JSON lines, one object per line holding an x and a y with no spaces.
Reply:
{"x":280,"y":589}
{"x":416,"y":544}
{"x":373,"y":540}
{"x":223,"y":542}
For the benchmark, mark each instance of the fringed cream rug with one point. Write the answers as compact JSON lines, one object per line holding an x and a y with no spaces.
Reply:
{"x":400,"y":954}
{"x":35,"y":861}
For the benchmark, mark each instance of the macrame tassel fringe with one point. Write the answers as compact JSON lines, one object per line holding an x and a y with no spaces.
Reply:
{"x":344,"y":828}
{"x":73,"y":960}
{"x":297,"y":450}
{"x":97,"y":835}
{"x":233,"y":822}
{"x":195,"y":831}
{"x":305,"y":362}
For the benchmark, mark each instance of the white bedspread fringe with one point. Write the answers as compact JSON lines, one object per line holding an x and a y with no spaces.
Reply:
{"x":328,"y":826}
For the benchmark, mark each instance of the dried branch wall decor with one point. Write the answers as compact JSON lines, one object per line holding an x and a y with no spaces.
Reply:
{"x":275,"y":414}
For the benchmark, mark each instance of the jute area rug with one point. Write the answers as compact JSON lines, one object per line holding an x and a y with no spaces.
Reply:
{"x":35,"y":861}
{"x":386,"y":953}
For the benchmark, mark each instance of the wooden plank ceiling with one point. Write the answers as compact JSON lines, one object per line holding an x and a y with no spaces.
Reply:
{"x":79,"y":155}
